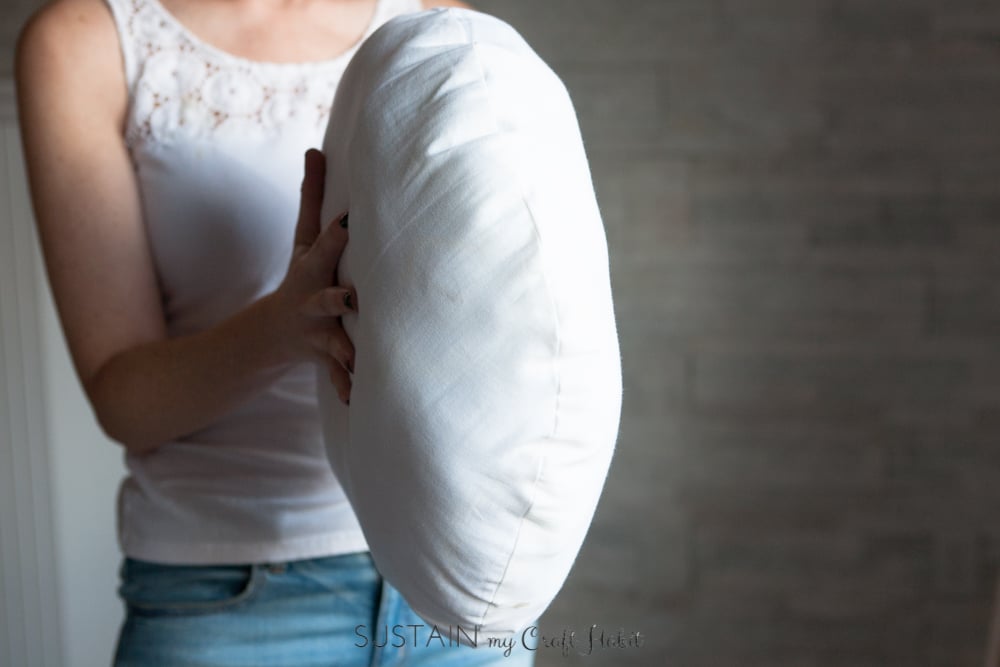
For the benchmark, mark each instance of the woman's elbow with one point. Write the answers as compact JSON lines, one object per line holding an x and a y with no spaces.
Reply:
{"x":115,"y":420}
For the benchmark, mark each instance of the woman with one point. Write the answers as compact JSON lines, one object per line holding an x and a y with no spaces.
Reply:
{"x":164,"y":142}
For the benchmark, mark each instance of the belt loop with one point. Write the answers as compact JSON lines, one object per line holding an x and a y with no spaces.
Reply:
{"x":277,"y":568}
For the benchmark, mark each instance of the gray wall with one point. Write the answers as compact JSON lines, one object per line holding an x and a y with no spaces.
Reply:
{"x":802,"y":200}
{"x":13,"y":13}
{"x":802,"y":204}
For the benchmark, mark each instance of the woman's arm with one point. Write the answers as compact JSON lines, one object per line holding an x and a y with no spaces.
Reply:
{"x":430,"y":4}
{"x":146,"y":389}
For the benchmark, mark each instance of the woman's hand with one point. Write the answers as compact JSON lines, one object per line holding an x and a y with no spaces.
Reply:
{"x":308,"y":300}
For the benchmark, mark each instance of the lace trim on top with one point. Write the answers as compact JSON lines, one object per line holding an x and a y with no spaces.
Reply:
{"x":180,"y":83}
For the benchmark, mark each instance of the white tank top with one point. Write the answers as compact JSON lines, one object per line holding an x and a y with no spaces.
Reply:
{"x":217,"y":142}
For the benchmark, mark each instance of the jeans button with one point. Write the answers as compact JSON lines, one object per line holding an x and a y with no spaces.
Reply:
{"x":277,"y":568}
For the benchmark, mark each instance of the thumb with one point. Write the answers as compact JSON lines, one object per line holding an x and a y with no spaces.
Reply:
{"x":311,"y":199}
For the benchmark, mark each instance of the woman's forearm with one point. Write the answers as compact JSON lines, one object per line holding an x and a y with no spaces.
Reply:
{"x":155,"y":392}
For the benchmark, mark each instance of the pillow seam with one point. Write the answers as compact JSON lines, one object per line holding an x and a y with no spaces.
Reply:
{"x":555,"y":316}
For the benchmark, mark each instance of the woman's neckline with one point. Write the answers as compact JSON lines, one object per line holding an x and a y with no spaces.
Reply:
{"x":218,"y":52}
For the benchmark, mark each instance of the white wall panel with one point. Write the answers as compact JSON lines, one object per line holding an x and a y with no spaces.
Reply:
{"x":30,"y":619}
{"x":58,"y":473}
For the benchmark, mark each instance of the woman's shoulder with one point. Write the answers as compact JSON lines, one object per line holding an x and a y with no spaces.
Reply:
{"x":67,"y":43}
{"x":430,"y":4}
{"x":68,"y":56}
{"x":69,"y":33}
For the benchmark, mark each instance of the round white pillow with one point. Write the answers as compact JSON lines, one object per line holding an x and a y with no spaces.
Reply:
{"x":487,"y":386}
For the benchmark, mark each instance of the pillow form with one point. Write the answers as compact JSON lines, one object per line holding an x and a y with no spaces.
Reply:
{"x":487,"y":387}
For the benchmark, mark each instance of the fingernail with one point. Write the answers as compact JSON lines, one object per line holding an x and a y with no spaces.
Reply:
{"x":348,"y":301}
{"x":350,"y":365}
{"x":343,"y":221}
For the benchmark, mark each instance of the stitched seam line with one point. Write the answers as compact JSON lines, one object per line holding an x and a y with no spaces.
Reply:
{"x":556,"y":369}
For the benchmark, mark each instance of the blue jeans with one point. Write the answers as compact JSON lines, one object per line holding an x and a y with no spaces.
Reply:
{"x":322,"y":611}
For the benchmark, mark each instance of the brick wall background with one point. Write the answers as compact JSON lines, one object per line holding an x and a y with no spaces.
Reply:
{"x":13,"y":14}
{"x":802,"y":200}
{"x":802,"y":205}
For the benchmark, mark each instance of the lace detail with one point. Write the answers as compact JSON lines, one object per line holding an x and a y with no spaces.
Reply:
{"x":180,"y":84}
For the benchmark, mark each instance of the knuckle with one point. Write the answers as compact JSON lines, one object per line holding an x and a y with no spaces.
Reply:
{"x":332,"y":302}
{"x":310,"y":308}
{"x":332,"y":240}
{"x":344,"y":349}
{"x":333,"y":344}
{"x":341,"y":381}
{"x":315,"y":269}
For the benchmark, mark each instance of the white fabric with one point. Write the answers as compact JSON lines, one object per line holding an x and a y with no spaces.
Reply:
{"x":487,"y":385}
{"x":218,"y":143}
